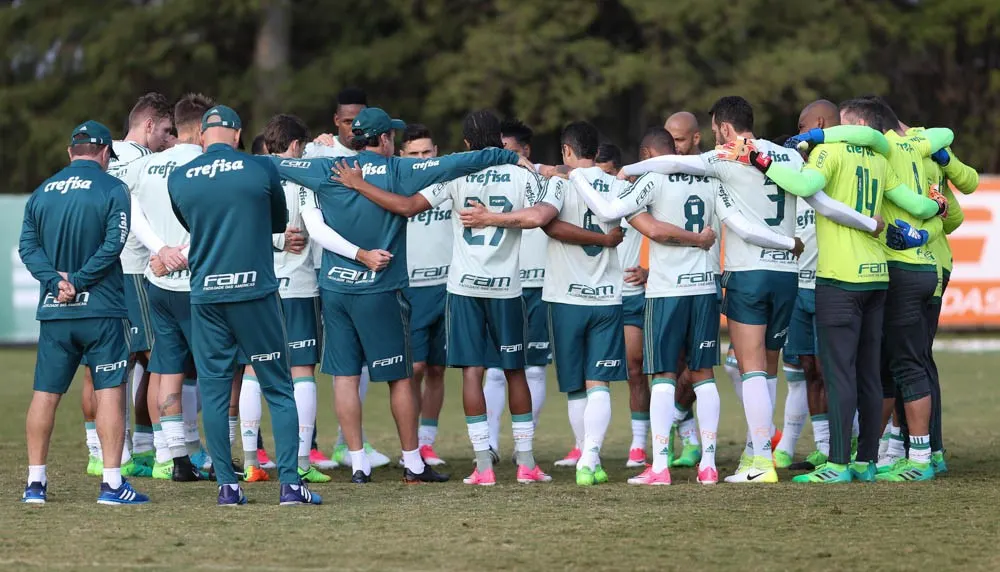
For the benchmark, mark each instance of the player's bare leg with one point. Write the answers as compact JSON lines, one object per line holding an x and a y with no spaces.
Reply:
{"x":638,"y":397}
{"x":347,"y":403}
{"x":88,"y":404}
{"x":169,"y":404}
{"x":405,"y":403}
{"x":430,"y":383}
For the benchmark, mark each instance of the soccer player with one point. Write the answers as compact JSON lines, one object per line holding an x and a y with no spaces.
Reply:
{"x":428,"y":257}
{"x":75,"y":226}
{"x":365,"y":313}
{"x":231,"y":203}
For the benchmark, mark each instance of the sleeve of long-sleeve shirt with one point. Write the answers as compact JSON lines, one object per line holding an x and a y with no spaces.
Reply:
{"x":142,"y":230}
{"x":757,"y":234}
{"x":629,"y":198}
{"x":955,"y":216}
{"x":964,"y":177}
{"x":310,"y":173}
{"x":116,"y":226}
{"x":840,"y":213}
{"x":325,"y":236}
{"x":32,"y":254}
{"x":669,"y":164}
{"x":410,"y":176}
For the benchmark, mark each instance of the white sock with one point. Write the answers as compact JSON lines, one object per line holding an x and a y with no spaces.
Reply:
{"x":821,"y":433}
{"x":305,"y":406}
{"x":359,"y":462}
{"x":708,"y":410}
{"x":113,"y":477}
{"x":734,"y":375}
{"x":596,"y":419}
{"x":897,"y":446}
{"x":576,"y":405}
{"x":687,"y":427}
{"x":640,"y":430}
{"x":920,"y":448}
{"x":413,"y":461}
{"x":523,"y":430}
{"x":796,"y":410}
{"x":495,"y":392}
{"x":536,"y":384}
{"x":189,"y":409}
{"x":142,"y":441}
{"x":772,"y":393}
{"x":661,"y":420}
{"x":250,"y":414}
{"x":855,"y":425}
{"x":126,"y":454}
{"x":36,"y":474}
{"x":479,"y":436}
{"x":427,"y":432}
{"x":759,"y":411}
{"x":93,"y":442}
{"x":173,"y":431}
{"x":160,"y":444}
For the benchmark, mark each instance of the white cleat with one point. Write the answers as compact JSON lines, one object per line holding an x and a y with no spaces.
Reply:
{"x":375,"y":458}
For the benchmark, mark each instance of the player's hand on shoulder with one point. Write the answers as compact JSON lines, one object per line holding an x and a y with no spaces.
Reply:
{"x":707,"y":238}
{"x":376,"y":260}
{"x":526,"y":163}
{"x":348,"y":174}
{"x":325,"y":139}
{"x":476,"y":215}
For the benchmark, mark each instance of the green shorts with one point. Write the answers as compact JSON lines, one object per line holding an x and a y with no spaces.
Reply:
{"x":802,"y":327}
{"x":537,"y":351}
{"x":681,"y":326}
{"x":478,"y":329}
{"x":588,"y":343}
{"x":367,"y":330}
{"x":634,"y":309}
{"x":62,"y":344}
{"x":427,"y":331}
{"x":761,"y":298}
{"x":171,"y":318}
{"x":251,"y":332}
{"x":137,"y":305}
{"x":302,"y":328}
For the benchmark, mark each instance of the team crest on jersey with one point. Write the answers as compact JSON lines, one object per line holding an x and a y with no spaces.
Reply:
{"x":821,"y":158}
{"x":67,"y":185}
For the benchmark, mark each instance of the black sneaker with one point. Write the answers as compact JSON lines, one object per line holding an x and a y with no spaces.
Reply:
{"x":802,"y":466}
{"x":428,"y":476}
{"x":185,"y":471}
{"x":360,"y":478}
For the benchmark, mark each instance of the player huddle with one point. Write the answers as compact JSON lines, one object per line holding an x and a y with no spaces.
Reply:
{"x":240,"y":273}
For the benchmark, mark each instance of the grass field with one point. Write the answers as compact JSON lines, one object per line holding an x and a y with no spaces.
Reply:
{"x":950,"y":524}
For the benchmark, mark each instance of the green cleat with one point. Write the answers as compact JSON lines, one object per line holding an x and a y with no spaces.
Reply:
{"x":827,"y":473}
{"x":314,"y":476}
{"x":938,"y":463}
{"x":164,"y":470}
{"x":854,"y":447}
{"x":906,"y":471}
{"x":864,"y":472}
{"x":585,"y":477}
{"x":341,"y":456}
{"x":887,"y":464}
{"x":148,"y":459}
{"x":746,"y":461}
{"x":600,"y":475}
{"x":95,"y":466}
{"x":133,"y":469}
{"x":782,"y":460}
{"x":690,"y":455}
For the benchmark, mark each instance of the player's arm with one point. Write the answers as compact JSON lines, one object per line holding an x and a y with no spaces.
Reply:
{"x":666,"y":233}
{"x":964,"y":177}
{"x":116,"y":226}
{"x":410,"y":176}
{"x":571,"y":234}
{"x":32,"y":254}
{"x":476,"y":215}
{"x":279,"y":208}
{"x":349,"y":174}
{"x":628,"y":197}
{"x":851,"y":134}
{"x":329,"y":239}
{"x":955,"y":216}
{"x":737,"y":222}
{"x":917,"y":205}
{"x":310,"y":173}
{"x":667,"y":165}
{"x":840,"y":213}
{"x":937,"y":138}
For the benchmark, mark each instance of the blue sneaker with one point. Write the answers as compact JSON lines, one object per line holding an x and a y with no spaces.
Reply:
{"x":298,"y":494}
{"x":230,"y":497}
{"x":34,"y":493}
{"x":201,"y":460}
{"x":124,"y":494}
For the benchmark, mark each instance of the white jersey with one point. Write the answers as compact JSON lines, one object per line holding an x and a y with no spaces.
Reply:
{"x":134,"y":256}
{"x":534,"y":244}
{"x":583,"y":275}
{"x":689,"y":202}
{"x":428,"y":246}
{"x":314,"y":150}
{"x":628,"y":256}
{"x":762,"y":202}
{"x":151,"y":192}
{"x":805,"y":229}
{"x":484,"y":261}
{"x":295,"y":273}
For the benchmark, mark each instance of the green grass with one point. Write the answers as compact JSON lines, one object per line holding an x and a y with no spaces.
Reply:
{"x":952,"y":523}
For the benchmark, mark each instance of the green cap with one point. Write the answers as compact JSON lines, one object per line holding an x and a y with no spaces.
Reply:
{"x":92,"y":132}
{"x":373,"y":122}
{"x":221,"y":116}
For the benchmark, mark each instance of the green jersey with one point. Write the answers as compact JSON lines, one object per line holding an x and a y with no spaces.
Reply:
{"x":77,"y":222}
{"x":857,"y":177}
{"x":906,"y":157}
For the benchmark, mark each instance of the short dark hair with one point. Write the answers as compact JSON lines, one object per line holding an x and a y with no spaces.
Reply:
{"x":609,"y":153}
{"x":258,"y":147}
{"x":660,"y":140}
{"x":359,"y":142}
{"x":190,"y":107}
{"x":874,"y":111}
{"x":582,"y":138}
{"x":734,"y":110}
{"x":482,"y":129}
{"x":352,"y":96}
{"x":282,"y":130}
{"x":414,"y":131}
{"x":152,"y":105}
{"x":517,"y":129}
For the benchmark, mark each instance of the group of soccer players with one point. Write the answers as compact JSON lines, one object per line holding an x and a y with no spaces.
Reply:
{"x":392,"y":267}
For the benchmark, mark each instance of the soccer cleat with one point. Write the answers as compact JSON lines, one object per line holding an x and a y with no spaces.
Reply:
{"x":651,"y":478}
{"x":375,"y":458}
{"x":813,"y":460}
{"x":360,"y":478}
{"x":907,"y":471}
{"x":95,"y":466}
{"x":570,"y":459}
{"x":636,"y":458}
{"x":341,"y":455}
{"x":252,"y":474}
{"x":744,"y":464}
{"x":230,"y":497}
{"x":292,"y":495}
{"x":759,"y":470}
{"x":34,"y":493}
{"x":600,"y":475}
{"x":201,"y":460}
{"x":585,"y":477}
{"x":938,"y":463}
{"x":185,"y":472}
{"x":264,"y":461}
{"x":887,"y":462}
{"x":163,"y":470}
{"x":429,"y":456}
{"x":428,"y":476}
{"x":854,"y":448}
{"x":486,"y":478}
{"x":782,"y":460}
{"x":147,"y":458}
{"x":864,"y":472}
{"x":313,"y":476}
{"x":708,"y":476}
{"x":826,"y":473}
{"x":321,"y":461}
{"x":124,"y":494}
{"x":775,"y":439}
{"x":133,"y":469}
{"x":535,"y":475}
{"x":690,"y":456}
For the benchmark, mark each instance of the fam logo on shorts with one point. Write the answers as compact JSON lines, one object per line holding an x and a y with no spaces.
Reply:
{"x":265,"y":357}
{"x":302,"y":344}
{"x":538,"y":345}
{"x":106,"y":367}
{"x":513,"y":349}
{"x":387,"y":361}
{"x":230,"y":281}
{"x":608,"y":363}
{"x":81,"y":299}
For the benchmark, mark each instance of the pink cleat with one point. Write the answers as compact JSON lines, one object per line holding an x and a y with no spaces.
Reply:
{"x":636,"y":458}
{"x":263,"y":460}
{"x":429,"y":456}
{"x":650,"y":477}
{"x":570,"y":459}
{"x":708,"y":476}
{"x":526,"y":475}
{"x":487,"y":479}
{"x":321,"y":461}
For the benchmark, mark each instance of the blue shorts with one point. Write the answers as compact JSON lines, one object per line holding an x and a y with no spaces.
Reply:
{"x":802,"y":326}
{"x":171,"y":318}
{"x":761,"y":298}
{"x":137,"y":305}
{"x":62,"y":344}
{"x":588,"y":344}
{"x":427,"y":331}
{"x":251,"y":332}
{"x":681,"y":326}
{"x":478,"y":329}
{"x":370,"y":330}
{"x":302,"y":328}
{"x":634,"y":309}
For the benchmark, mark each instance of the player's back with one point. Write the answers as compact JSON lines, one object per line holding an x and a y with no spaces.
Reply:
{"x":134,"y":256}
{"x":907,"y":154}
{"x":429,"y":245}
{"x":534,"y":246}
{"x":295,"y":271}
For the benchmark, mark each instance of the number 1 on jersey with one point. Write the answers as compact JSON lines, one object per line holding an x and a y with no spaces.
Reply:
{"x":480,"y":239}
{"x":867,"y":192}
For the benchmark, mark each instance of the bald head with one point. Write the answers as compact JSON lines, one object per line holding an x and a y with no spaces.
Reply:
{"x":819,"y":114}
{"x":683,"y":127}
